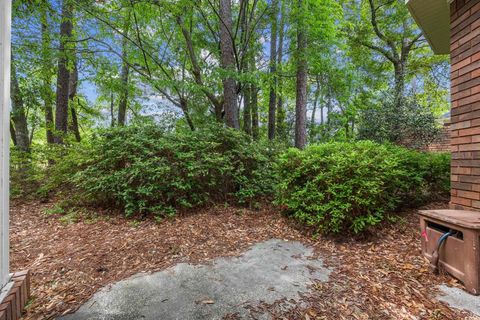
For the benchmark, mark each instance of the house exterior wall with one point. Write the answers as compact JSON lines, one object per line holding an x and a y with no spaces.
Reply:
{"x":465,"y":96}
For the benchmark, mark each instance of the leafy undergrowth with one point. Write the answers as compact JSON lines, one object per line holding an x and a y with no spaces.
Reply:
{"x":70,"y":259}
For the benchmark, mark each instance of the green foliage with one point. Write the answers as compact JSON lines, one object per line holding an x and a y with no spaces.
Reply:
{"x":410,"y":125}
{"x":353,"y":186}
{"x":145,"y":169}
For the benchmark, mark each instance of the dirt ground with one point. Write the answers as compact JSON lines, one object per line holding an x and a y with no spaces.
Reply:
{"x":72,"y":256}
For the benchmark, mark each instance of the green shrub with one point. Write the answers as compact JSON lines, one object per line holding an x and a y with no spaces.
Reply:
{"x":353,"y":186}
{"x":146,"y":169}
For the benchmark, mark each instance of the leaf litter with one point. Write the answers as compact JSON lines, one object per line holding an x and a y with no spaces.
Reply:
{"x":381,"y":277}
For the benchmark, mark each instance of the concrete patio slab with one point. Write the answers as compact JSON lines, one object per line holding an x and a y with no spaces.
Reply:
{"x":267,"y":272}
{"x":460,"y":299}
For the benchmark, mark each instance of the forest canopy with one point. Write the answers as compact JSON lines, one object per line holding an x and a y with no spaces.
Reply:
{"x":296,"y":72}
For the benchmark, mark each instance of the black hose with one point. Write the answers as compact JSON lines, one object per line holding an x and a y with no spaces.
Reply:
{"x":435,"y":254}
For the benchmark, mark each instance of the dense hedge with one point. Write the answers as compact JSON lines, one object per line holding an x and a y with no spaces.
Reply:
{"x":148,"y":169}
{"x":353,"y":186}
{"x":144,"y":169}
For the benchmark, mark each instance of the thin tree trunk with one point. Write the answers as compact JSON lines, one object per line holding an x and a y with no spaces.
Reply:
{"x":273,"y":71}
{"x":47,"y":73}
{"x":227,"y":58}
{"x":124,"y":76}
{"x":13,"y":134}
{"x":255,"y":117}
{"x":246,"y":88}
{"x":281,"y":129}
{"x":184,"y":107}
{"x":112,"y":114}
{"x":72,"y":94}
{"x":399,"y":84}
{"x":314,"y":111}
{"x":63,"y":76}
{"x":247,"y":113}
{"x":301,"y":85}
{"x":254,"y":101}
{"x":18,"y":113}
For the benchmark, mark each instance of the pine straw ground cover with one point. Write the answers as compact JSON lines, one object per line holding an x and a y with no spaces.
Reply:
{"x":384,"y":277}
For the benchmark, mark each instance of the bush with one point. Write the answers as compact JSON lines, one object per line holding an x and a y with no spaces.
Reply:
{"x":410,"y":124}
{"x":353,"y":186}
{"x":146,"y":169}
{"x":46,"y":169}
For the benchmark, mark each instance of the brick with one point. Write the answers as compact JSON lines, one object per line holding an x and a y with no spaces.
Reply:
{"x":469,"y":131}
{"x":461,"y":64}
{"x":468,"y":194}
{"x":461,"y":140}
{"x":461,"y":170}
{"x":475,"y":73}
{"x":461,"y":125}
{"x":462,"y":186}
{"x":471,"y":179}
{"x":469,"y":147}
{"x":476,"y":204}
{"x":461,"y":201}
{"x":469,"y":100}
{"x":461,"y":94}
{"x":476,"y":57}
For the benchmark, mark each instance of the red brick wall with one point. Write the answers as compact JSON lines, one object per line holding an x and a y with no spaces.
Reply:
{"x":443,"y":142}
{"x":465,"y":115}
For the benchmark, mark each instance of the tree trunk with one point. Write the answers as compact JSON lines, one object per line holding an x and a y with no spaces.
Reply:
{"x":399,"y":92}
{"x":281,"y":129}
{"x":272,"y":103}
{"x":13,"y":134}
{"x":247,"y":113}
{"x":227,"y":57}
{"x":18,"y":113}
{"x":314,"y":111}
{"x":72,"y":93}
{"x":63,"y":76}
{"x":47,"y":73}
{"x":112,"y":113}
{"x":246,"y":87}
{"x":301,"y":85}
{"x":124,"y":76}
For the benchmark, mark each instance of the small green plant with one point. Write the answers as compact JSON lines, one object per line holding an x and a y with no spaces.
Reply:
{"x":340,"y":187}
{"x":57,"y":209}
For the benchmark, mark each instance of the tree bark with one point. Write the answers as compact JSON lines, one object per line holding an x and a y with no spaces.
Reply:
{"x":13,"y":134}
{"x":72,"y":94}
{"x":227,"y":57}
{"x":254,"y":101}
{"x":272,"y":103}
{"x":281,"y":129}
{"x":47,"y":73}
{"x":301,"y":83}
{"x":63,"y":76}
{"x":18,"y":113}
{"x":124,"y":77}
{"x":245,"y":87}
{"x":197,"y":73}
{"x":314,"y":111}
{"x":112,"y":114}
{"x":247,"y":112}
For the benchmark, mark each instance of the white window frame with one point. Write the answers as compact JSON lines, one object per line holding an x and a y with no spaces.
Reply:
{"x":5,"y":47}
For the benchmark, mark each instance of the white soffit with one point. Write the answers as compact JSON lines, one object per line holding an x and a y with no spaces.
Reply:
{"x":433,"y":17}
